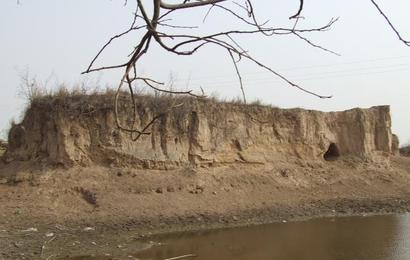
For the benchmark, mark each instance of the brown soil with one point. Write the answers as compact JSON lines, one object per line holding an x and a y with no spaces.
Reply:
{"x":128,"y":204}
{"x":3,"y":147}
{"x":405,"y":151}
{"x":82,"y":131}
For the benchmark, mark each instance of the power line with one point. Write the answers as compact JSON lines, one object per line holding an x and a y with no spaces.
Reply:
{"x":273,"y":80}
{"x":319,"y":75}
{"x":216,"y":76}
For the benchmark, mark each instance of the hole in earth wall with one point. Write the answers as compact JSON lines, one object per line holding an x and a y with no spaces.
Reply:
{"x":332,"y":153}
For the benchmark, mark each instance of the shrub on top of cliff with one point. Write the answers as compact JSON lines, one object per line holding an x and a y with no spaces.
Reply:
{"x":80,"y":101}
{"x":33,"y":90}
{"x":29,"y":88}
{"x":259,"y":103}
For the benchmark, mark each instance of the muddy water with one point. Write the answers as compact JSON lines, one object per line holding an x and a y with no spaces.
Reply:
{"x":376,"y":238}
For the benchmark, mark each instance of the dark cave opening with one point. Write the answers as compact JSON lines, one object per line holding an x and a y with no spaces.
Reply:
{"x":332,"y":153}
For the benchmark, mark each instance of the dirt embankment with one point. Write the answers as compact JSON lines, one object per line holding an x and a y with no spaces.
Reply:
{"x":3,"y":147}
{"x":206,"y":165}
{"x":405,"y":151}
{"x":82,"y":131}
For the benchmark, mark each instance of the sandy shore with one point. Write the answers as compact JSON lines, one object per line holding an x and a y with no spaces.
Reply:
{"x":83,"y":211}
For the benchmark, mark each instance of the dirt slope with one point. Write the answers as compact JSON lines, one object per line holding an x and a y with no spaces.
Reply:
{"x":65,"y":202}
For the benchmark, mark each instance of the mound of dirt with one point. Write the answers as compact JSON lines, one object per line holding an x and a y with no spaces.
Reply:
{"x":405,"y":151}
{"x":82,"y":130}
{"x":3,"y":147}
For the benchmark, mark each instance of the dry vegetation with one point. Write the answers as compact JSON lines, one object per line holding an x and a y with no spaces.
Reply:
{"x":90,"y":99}
{"x":35,"y":91}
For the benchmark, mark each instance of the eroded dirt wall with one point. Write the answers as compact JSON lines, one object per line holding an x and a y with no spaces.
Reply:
{"x":82,"y":130}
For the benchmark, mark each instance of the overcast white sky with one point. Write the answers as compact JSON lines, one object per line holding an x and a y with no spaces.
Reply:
{"x":57,"y":39}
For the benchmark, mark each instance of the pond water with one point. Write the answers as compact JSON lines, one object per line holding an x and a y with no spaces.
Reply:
{"x":347,"y":238}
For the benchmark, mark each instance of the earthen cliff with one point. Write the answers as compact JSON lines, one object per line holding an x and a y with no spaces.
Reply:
{"x":81,"y":130}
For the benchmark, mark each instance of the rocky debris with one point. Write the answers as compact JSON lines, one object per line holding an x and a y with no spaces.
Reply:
{"x":196,"y":189}
{"x":284,"y":173}
{"x":86,"y":229}
{"x":89,"y":196}
{"x":32,"y":229}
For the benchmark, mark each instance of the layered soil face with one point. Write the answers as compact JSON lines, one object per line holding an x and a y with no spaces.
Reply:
{"x":83,"y":131}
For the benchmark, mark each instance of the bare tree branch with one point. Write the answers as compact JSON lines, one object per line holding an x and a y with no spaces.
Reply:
{"x":390,"y":23}
{"x":188,"y":4}
{"x":315,"y":45}
{"x":239,"y":75}
{"x":299,"y":11}
{"x":156,"y":24}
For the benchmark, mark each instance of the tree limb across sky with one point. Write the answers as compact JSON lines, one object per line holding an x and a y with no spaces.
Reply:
{"x":154,"y":22}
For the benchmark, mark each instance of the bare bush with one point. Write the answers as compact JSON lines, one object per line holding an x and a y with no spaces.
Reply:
{"x":29,"y":88}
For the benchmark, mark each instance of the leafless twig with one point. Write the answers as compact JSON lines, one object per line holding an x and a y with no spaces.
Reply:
{"x":181,"y":257}
{"x":390,"y":23}
{"x":44,"y":245}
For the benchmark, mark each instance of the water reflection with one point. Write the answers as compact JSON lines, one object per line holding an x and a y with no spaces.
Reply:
{"x":367,"y":238}
{"x":356,"y":238}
